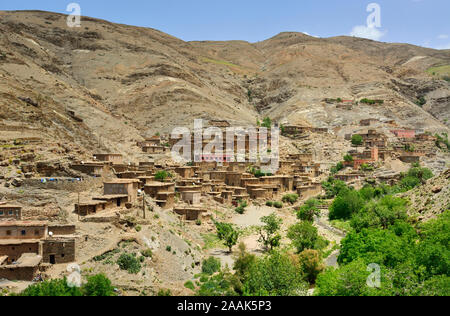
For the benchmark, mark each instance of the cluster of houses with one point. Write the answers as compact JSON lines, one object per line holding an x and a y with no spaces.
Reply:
{"x":407,"y":145}
{"x":187,"y":187}
{"x":28,"y":248}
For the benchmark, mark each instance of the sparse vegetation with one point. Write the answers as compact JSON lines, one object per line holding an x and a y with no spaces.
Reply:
{"x":129,"y":262}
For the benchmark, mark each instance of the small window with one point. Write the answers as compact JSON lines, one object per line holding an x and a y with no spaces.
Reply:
{"x":1,"y":213}
{"x":23,"y":232}
{"x":8,"y":233}
{"x":36,"y":232}
{"x":11,"y":212}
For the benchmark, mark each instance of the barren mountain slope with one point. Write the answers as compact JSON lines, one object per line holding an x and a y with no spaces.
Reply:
{"x":126,"y":82}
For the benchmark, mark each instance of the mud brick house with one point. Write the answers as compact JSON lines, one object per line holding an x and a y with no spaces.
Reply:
{"x":310,"y":191}
{"x":115,"y":159}
{"x":374,"y":139}
{"x":189,"y":213}
{"x":24,"y":268}
{"x":10,"y":212}
{"x":404,"y":133}
{"x":152,"y":189}
{"x":257,"y":193}
{"x":154,"y":149}
{"x":165,"y":200}
{"x":12,"y":250}
{"x":146,"y":180}
{"x":233,"y":178}
{"x":127,"y":187}
{"x":23,"y":230}
{"x":91,"y":168}
{"x":152,"y":141}
{"x":369,"y":122}
{"x":57,"y":250}
{"x":185,"y":172}
{"x":191,"y":197}
{"x":113,"y":200}
{"x":89,"y":208}
{"x":24,"y":245}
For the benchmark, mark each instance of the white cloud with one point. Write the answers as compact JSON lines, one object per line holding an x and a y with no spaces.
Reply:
{"x":443,"y":36}
{"x":444,"y":46}
{"x":369,"y":32}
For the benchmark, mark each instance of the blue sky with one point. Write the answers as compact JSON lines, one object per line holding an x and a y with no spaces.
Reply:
{"x":419,"y":22}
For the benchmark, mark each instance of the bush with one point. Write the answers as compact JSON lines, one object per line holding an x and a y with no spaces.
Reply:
{"x":311,"y":264}
{"x":267,"y":122}
{"x":129,"y":263}
{"x":345,"y":205}
{"x":189,"y":285}
{"x":276,"y":274}
{"x":228,"y":234}
{"x":211,"y":266}
{"x":269,"y":203}
{"x":162,"y":175}
{"x":305,"y":236}
{"x":97,"y":285}
{"x":290,"y":198}
{"x":309,"y":210}
{"x":147,"y":253}
{"x":357,"y":140}
{"x":383,"y":213}
{"x":278,"y":205}
{"x":348,"y":158}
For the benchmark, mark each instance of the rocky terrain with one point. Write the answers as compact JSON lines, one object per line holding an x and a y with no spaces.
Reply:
{"x":124,"y":82}
{"x":68,"y":93}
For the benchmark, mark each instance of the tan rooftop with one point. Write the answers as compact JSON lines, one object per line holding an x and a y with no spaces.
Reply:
{"x":23,"y":223}
{"x":121,"y":181}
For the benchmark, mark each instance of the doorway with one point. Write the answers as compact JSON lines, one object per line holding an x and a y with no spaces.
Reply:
{"x":52,"y":259}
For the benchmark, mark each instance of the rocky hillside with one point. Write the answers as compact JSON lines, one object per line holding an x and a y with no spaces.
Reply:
{"x":104,"y":85}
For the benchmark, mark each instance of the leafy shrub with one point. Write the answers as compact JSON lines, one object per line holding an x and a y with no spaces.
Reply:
{"x":269,"y":203}
{"x":345,"y":205}
{"x":97,"y":285}
{"x":148,"y":253}
{"x":304,"y":235}
{"x":211,"y":266}
{"x":278,"y":205}
{"x":228,"y":234}
{"x":290,"y":198}
{"x":162,"y":175}
{"x":189,"y":285}
{"x":129,"y":263}
{"x":309,"y":210}
{"x":357,"y":140}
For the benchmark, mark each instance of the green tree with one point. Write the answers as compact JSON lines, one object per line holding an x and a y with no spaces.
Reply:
{"x":348,"y":158}
{"x":129,"y":262}
{"x":269,"y":233}
{"x":311,"y":264}
{"x":309,"y":210}
{"x":211,"y":265}
{"x":304,"y":235}
{"x":357,"y":140}
{"x":98,"y":285}
{"x":345,"y":205}
{"x":276,"y":274}
{"x":228,"y":234}
{"x":267,"y":123}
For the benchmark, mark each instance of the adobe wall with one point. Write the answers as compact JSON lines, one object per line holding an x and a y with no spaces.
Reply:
{"x":62,"y":249}
{"x":15,"y":251}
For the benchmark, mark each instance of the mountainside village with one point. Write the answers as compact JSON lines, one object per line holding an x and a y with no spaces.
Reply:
{"x":38,"y":242}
